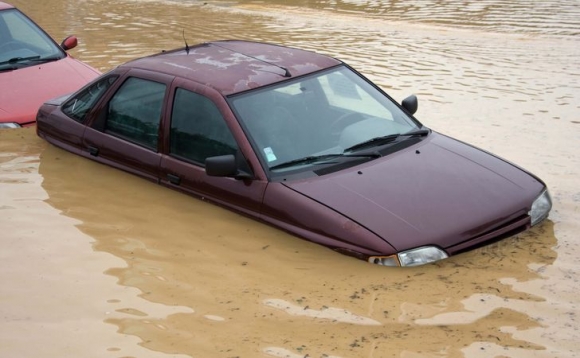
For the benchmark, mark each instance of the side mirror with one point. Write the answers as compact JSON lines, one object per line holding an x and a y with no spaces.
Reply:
{"x":69,"y":43}
{"x":411,"y":104}
{"x":224,"y":166}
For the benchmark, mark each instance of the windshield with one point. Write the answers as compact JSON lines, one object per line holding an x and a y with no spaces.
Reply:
{"x":22,"y":43}
{"x":321,"y":114}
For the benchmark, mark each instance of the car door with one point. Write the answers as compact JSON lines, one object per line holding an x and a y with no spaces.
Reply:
{"x":195,"y":131}
{"x":127,"y":131}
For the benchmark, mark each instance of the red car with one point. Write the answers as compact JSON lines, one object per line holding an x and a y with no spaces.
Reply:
{"x":33,"y":68}
{"x":300,"y":141}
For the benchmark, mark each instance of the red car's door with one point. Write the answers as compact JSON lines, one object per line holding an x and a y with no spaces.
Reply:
{"x":126,"y":133}
{"x":196,"y":129}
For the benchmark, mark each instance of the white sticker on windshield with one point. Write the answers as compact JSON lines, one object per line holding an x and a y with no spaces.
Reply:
{"x":270,"y":156}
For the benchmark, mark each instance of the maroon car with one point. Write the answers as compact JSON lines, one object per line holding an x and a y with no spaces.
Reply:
{"x":300,"y":141}
{"x":33,"y":68}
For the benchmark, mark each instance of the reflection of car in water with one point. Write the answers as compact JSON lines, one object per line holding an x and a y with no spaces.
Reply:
{"x":300,"y":141}
{"x":33,"y":68}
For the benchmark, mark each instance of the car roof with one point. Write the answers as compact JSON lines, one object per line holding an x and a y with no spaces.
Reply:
{"x":235,"y":66}
{"x":4,"y":6}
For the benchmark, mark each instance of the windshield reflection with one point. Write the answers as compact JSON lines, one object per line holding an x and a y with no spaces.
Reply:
{"x":321,"y":114}
{"x":21,"y":39}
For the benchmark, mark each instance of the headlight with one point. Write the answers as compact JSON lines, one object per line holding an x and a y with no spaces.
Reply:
{"x":540,"y":208}
{"x":421,"y":256}
{"x":414,"y":257}
{"x":9,"y":125}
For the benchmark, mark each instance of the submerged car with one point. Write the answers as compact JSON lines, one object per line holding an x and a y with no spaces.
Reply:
{"x":33,"y":68}
{"x":300,"y":141}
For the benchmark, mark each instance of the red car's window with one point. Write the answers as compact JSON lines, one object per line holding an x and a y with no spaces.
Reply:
{"x":198,"y":129}
{"x":134,"y":112}
{"x":20,"y":37}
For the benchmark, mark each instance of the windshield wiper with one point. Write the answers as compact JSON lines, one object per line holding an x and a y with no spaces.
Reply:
{"x":317,"y":158}
{"x":386,"y":139}
{"x":19,"y":59}
{"x":45,"y":59}
{"x":9,"y":68}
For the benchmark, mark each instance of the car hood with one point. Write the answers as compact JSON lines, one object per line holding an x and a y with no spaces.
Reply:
{"x":30,"y":87}
{"x":438,"y":192}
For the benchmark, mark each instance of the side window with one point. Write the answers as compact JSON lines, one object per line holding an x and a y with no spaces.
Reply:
{"x":78,"y":106}
{"x":198,"y":130}
{"x":134,"y":111}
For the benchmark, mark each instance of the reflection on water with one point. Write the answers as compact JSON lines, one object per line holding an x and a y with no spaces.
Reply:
{"x":325,"y":313}
{"x":186,"y":252}
{"x":54,"y":292}
{"x":502,"y":75}
{"x":560,"y":17}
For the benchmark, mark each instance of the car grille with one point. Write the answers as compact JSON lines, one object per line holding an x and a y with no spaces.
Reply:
{"x":506,"y":230}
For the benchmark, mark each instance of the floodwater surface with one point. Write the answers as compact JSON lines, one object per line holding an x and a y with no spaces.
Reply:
{"x":99,"y":263}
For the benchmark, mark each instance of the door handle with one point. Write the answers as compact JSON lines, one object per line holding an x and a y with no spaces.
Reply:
{"x":94,"y":151}
{"x":173,"y":179}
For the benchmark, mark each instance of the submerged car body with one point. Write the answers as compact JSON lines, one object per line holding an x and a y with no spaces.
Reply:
{"x":33,"y":68}
{"x":300,"y":141}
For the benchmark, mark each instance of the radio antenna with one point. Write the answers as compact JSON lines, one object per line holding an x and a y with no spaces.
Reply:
{"x":286,"y":72}
{"x":186,"y":45}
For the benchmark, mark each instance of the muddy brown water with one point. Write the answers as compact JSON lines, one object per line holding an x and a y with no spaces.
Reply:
{"x":99,"y":263}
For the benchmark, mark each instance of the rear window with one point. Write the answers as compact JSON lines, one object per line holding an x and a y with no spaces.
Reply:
{"x":81,"y":104}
